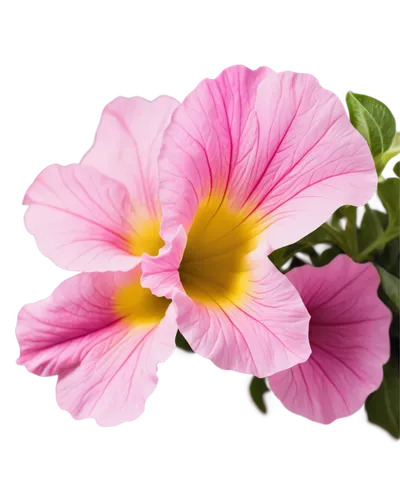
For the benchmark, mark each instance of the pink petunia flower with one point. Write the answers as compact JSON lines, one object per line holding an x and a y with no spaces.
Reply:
{"x":103,"y":335}
{"x":104,"y":216}
{"x":250,"y":161}
{"x":349,"y":340}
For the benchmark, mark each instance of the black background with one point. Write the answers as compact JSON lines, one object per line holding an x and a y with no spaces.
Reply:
{"x":56,"y":109}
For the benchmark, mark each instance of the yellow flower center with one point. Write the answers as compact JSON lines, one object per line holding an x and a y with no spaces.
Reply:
{"x":138,"y":306}
{"x":145,"y":238}
{"x":133,"y":303}
{"x":214,"y":268}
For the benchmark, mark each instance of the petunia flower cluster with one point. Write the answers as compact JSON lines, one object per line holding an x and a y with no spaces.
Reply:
{"x":170,"y":218}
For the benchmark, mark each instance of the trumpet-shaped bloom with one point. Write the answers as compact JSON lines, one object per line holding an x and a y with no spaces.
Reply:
{"x":349,"y":340}
{"x":104,"y":214}
{"x":103,"y":334}
{"x":250,"y":161}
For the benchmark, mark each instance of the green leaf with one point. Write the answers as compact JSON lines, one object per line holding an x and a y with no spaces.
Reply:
{"x":389,"y":259}
{"x":373,"y":120}
{"x":259,"y":396}
{"x":345,"y":238}
{"x":327,"y":255}
{"x":383,"y":405}
{"x":382,"y":159}
{"x":370,"y":229}
{"x":281,"y":256}
{"x":182,"y":343}
{"x":390,"y":285}
{"x":389,"y":193}
{"x":394,"y":333}
{"x":396,"y":169}
{"x":323,"y":234}
{"x":320,"y":235}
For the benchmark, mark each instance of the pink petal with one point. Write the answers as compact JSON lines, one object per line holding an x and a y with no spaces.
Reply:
{"x":160,"y":274}
{"x":81,"y":219}
{"x":106,"y":360}
{"x":349,"y":340}
{"x":265,"y":332}
{"x":277,"y":146}
{"x":127,"y":146}
{"x":315,"y":160}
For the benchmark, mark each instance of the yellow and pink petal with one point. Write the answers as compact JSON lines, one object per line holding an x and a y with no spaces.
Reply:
{"x":81,"y":219}
{"x":103,"y":214}
{"x":103,"y":335}
{"x":127,"y":145}
{"x":276,"y":149}
{"x":241,"y":313}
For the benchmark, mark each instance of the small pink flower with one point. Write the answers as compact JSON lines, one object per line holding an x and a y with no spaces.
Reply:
{"x":250,"y":162}
{"x":349,"y":340}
